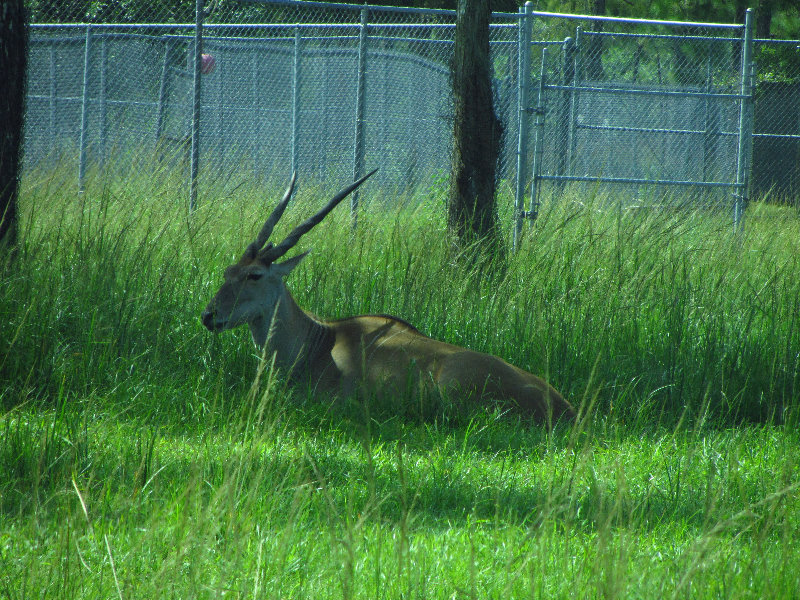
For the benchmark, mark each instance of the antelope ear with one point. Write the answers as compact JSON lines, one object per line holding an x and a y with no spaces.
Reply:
{"x":287,"y":266}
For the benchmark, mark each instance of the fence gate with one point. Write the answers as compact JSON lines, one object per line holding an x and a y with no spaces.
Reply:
{"x":649,"y":111}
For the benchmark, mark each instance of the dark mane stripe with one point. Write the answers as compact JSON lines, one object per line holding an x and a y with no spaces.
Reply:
{"x":380,"y":316}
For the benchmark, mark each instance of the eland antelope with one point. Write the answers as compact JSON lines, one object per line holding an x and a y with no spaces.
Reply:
{"x":374,"y":352}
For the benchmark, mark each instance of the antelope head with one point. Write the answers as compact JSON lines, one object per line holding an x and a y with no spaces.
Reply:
{"x":254,"y":286}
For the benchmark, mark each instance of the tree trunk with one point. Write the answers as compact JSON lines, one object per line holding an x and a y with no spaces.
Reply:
{"x":477,"y":132}
{"x":13,"y":58}
{"x":593,"y":54}
{"x":764,"y":10}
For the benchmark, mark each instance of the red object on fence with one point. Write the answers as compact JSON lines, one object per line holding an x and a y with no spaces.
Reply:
{"x":208,"y":63}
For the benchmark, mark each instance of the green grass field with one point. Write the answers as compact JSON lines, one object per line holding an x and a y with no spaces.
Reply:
{"x":143,"y":457}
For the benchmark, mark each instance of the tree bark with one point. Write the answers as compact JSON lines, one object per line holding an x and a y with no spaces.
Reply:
{"x":477,"y":132}
{"x":593,"y":54}
{"x":764,"y":10}
{"x":13,"y":59}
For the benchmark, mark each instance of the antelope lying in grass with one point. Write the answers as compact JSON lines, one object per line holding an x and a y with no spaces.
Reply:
{"x":373,"y":352}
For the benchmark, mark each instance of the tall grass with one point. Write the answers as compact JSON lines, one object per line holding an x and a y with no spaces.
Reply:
{"x":668,"y":308}
{"x":141,"y":456}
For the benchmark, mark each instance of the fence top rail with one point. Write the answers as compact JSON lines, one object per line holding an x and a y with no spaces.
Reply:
{"x":734,"y":26}
{"x":212,"y":26}
{"x":256,"y":41}
{"x":323,"y":26}
{"x":775,"y":41}
{"x":216,"y":39}
{"x":84,"y":25}
{"x":661,"y":36}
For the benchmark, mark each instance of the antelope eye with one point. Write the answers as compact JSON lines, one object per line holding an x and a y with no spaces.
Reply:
{"x":254,"y":276}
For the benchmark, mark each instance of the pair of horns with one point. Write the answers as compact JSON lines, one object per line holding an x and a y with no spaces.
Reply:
{"x":269,"y":252}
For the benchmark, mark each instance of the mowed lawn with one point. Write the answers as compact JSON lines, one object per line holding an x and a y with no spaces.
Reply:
{"x":143,"y":457}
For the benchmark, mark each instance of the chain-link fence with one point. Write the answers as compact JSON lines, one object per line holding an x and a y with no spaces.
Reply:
{"x":314,"y":88}
{"x":650,"y":106}
{"x":332,"y":90}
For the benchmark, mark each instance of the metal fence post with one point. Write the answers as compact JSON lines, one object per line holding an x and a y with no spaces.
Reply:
{"x":538,"y":143}
{"x":296,"y":99}
{"x":523,"y":105}
{"x":103,"y":98}
{"x":745,"y":147}
{"x":710,"y":131}
{"x":256,"y":109}
{"x":195,"y":159}
{"x":358,"y":151}
{"x":53,"y":100}
{"x":385,"y":110}
{"x":220,"y":144}
{"x":85,"y":111}
{"x":567,"y":79}
{"x":573,"y":116}
{"x":162,"y":92}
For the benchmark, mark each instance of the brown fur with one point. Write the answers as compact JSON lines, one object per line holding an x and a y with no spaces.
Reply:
{"x":381,"y":351}
{"x":378,"y":352}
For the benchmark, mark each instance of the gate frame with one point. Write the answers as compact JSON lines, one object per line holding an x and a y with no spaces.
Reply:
{"x":569,"y":91}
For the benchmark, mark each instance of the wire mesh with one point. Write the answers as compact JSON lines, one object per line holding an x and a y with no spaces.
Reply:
{"x":648,"y":106}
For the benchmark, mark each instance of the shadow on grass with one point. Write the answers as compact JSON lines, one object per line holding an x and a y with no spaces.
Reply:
{"x":432,"y":469}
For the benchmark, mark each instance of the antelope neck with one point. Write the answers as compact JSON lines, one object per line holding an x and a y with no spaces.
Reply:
{"x":292,"y":334}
